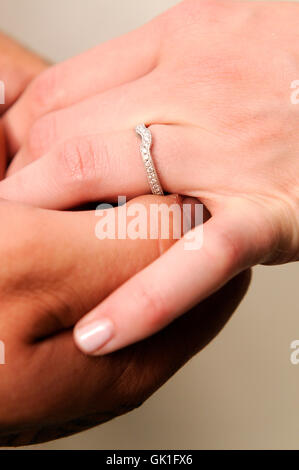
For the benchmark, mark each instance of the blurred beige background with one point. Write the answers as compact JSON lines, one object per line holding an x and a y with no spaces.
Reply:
{"x":242,"y":391}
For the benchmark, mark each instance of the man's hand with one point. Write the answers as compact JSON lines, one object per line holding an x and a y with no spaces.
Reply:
{"x":53,"y":270}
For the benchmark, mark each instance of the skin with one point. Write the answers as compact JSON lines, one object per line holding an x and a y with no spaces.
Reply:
{"x":53,"y":270}
{"x":2,"y":152}
{"x":18,"y":67}
{"x":213,"y":78}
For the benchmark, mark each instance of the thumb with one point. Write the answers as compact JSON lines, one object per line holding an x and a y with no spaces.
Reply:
{"x":79,"y":266}
{"x":172,"y":284}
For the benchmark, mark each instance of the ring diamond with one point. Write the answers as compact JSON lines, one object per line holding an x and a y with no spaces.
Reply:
{"x":145,"y":150}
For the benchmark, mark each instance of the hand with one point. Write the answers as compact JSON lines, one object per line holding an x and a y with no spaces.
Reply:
{"x":18,"y":67}
{"x":2,"y":152}
{"x":53,"y":269}
{"x":214,"y":78}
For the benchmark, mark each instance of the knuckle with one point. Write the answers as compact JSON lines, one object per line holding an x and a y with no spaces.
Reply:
{"x":214,"y":7}
{"x":42,"y":135}
{"x":154,"y":307}
{"x":130,"y":391}
{"x":134,"y":385}
{"x":204,"y":12}
{"x":43,"y":91}
{"x":79,"y":158}
{"x":230,"y":249}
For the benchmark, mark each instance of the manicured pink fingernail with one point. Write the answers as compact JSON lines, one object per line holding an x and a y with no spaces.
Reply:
{"x":93,"y":336}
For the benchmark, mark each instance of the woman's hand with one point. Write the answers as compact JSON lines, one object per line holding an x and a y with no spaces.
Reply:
{"x":53,"y":270}
{"x":214,"y":79}
{"x":18,"y":67}
{"x":2,"y":152}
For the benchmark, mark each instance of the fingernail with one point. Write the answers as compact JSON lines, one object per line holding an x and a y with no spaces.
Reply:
{"x":93,"y":336}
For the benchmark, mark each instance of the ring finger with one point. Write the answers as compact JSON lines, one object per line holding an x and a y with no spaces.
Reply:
{"x":105,"y":166}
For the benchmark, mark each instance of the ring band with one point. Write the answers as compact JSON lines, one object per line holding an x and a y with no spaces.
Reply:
{"x":145,"y":150}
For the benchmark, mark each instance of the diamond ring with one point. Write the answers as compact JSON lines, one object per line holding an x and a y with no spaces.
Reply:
{"x":145,"y":150}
